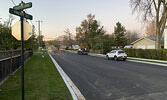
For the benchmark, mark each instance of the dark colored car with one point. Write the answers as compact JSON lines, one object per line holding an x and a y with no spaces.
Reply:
{"x":82,"y":52}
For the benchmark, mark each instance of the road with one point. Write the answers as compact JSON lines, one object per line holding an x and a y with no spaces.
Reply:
{"x":101,"y":79}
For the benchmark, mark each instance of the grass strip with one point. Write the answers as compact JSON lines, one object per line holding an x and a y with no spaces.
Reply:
{"x":42,"y":82}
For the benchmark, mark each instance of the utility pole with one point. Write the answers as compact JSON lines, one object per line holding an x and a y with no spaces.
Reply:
{"x":39,"y":32}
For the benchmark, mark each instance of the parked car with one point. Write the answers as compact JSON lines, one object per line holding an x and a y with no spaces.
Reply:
{"x":82,"y":51}
{"x":128,"y":46}
{"x":116,"y":55}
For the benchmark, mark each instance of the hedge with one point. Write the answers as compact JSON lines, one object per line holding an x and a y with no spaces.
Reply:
{"x":147,"y":53}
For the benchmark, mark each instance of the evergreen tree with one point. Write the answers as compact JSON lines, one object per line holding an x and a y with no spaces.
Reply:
{"x":120,"y":35}
{"x":108,"y":42}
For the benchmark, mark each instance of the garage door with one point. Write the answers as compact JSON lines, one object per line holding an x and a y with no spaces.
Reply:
{"x":151,"y":47}
{"x":141,"y":47}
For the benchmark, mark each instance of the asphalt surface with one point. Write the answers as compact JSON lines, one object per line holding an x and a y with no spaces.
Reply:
{"x":101,"y":79}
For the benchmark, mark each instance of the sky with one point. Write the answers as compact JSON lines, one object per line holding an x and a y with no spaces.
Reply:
{"x":58,"y":15}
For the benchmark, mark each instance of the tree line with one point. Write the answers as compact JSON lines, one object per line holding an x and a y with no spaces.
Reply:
{"x":91,"y":35}
{"x":152,"y":11}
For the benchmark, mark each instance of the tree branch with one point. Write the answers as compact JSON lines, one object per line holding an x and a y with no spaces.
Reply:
{"x":155,"y":5}
{"x":163,"y":25}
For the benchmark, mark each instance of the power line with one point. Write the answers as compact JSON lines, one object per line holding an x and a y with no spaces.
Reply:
{"x":13,"y":2}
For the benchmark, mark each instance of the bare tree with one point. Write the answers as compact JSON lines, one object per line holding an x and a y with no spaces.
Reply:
{"x":57,"y":42}
{"x":132,"y":36}
{"x":154,"y":9}
{"x":68,"y":37}
{"x":8,"y":23}
{"x":151,"y":29}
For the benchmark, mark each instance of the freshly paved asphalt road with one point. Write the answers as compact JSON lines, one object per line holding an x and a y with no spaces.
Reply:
{"x":101,"y":79}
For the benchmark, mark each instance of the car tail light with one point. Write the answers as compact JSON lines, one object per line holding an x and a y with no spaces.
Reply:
{"x":118,"y":53}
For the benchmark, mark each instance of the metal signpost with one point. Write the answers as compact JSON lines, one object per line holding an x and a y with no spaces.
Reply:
{"x":18,"y":10}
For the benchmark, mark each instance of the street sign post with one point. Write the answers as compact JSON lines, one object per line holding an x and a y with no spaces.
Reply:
{"x":20,"y":13}
{"x":18,"y":10}
{"x":22,"y":56}
{"x":23,"y":6}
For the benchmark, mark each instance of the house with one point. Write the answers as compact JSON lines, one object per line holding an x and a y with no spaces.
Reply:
{"x":75,"y":47}
{"x":147,"y":43}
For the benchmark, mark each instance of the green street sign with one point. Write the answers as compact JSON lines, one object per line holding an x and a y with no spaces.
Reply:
{"x":20,"y":13}
{"x":27,"y":16}
{"x":23,"y":6}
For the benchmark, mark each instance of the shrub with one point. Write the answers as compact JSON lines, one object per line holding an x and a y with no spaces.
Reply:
{"x":147,"y":53}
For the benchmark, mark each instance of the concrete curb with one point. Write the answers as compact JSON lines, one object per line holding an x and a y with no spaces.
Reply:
{"x":148,"y":62}
{"x":160,"y":61}
{"x":76,"y":94}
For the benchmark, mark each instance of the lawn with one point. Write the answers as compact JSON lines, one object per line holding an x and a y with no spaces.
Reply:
{"x":42,"y":82}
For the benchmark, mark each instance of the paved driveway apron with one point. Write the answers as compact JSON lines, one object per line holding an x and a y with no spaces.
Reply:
{"x":101,"y":79}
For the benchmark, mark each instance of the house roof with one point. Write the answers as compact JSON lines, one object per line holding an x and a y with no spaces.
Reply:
{"x":150,"y":38}
{"x":154,"y":39}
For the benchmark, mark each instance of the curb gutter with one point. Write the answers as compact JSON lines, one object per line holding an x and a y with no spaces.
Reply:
{"x":148,"y":62}
{"x":160,"y":61}
{"x":76,"y":94}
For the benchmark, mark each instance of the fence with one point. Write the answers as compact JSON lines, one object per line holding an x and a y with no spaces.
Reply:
{"x":5,"y":54}
{"x":10,"y":61}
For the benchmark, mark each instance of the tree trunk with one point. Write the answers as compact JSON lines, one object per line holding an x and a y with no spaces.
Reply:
{"x":157,"y":42}
{"x":158,"y":39}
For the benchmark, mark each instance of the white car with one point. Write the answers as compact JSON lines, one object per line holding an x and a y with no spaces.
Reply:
{"x":116,"y":55}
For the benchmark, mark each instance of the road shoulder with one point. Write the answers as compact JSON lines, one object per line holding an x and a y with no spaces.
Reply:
{"x":76,"y":94}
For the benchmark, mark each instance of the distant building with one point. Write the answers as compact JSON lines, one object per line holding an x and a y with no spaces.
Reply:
{"x":75,"y":47}
{"x":147,"y":43}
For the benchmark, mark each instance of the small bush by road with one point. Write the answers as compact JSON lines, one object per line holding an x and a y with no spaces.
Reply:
{"x":147,"y":53}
